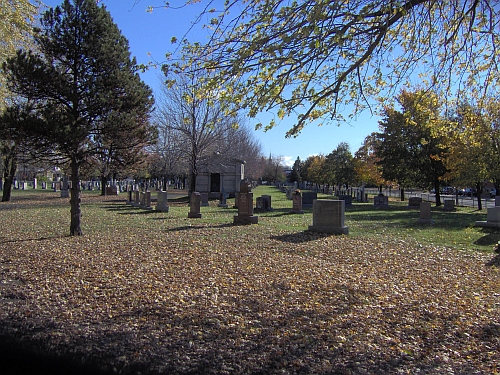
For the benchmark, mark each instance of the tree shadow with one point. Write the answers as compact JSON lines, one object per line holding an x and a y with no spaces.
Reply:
{"x":494,"y":262}
{"x":301,"y":237}
{"x":4,"y":240}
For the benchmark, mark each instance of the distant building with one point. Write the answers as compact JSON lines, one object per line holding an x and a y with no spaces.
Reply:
{"x":220,"y":174}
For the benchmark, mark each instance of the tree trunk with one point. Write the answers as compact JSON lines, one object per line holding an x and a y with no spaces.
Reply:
{"x":75,"y":200}
{"x":104,"y":181}
{"x":10,"y":168}
{"x":479,"y":191}
{"x":438,"y":195}
{"x":402,"y":194}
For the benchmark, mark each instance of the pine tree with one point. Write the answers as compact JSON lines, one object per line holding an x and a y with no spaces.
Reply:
{"x":81,"y":78}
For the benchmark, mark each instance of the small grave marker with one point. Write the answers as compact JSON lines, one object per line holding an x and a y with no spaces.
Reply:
{"x":329,"y":216}
{"x":194,"y":206}
{"x":425,"y":213}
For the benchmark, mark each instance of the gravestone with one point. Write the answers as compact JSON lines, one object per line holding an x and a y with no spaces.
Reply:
{"x":266,"y":200}
{"x":414,"y":202}
{"x":142,"y":202}
{"x":25,"y":185}
{"x":297,"y":202}
{"x":112,"y":190}
{"x":497,"y":201}
{"x":44,"y":185}
{"x":194,"y":206}
{"x":425,"y":213}
{"x":35,"y":183}
{"x":245,"y":206}
{"x":204,"y":199}
{"x":329,"y":216}
{"x":162,"y":202}
{"x":223,"y":198}
{"x":492,"y":218}
{"x":64,"y":188}
{"x":147,"y":200}
{"x":308,"y":198}
{"x":449,"y":205}
{"x":381,"y":201}
{"x":259,"y":203}
{"x":137,"y":198}
{"x":347,"y":198}
{"x":130,"y":197}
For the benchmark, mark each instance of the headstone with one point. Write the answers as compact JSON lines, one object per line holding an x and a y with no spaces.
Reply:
{"x":65,"y":188}
{"x":162,"y":202}
{"x":308,"y":198}
{"x":137,"y":198}
{"x":492,"y":218}
{"x":35,"y":184}
{"x":414,"y":202}
{"x":381,"y":201}
{"x":259,"y":203}
{"x":347,"y":198}
{"x":142,"y":196}
{"x":147,"y":200}
{"x":297,"y":202}
{"x":425,"y":213}
{"x":449,"y":205}
{"x":44,"y":185}
{"x":16,"y":184}
{"x":245,"y":206}
{"x":130,"y":198}
{"x":329,"y":216}
{"x":194,"y":206}
{"x":497,"y":200}
{"x":25,"y":185}
{"x":223,"y":197}
{"x":266,"y":200}
{"x":112,"y":190}
{"x":204,"y":199}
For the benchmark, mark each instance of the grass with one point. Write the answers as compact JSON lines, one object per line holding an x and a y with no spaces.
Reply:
{"x":146,"y":292}
{"x":449,"y":229}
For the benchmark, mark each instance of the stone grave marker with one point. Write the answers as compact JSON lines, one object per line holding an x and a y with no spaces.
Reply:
{"x":130,"y":197}
{"x":245,"y":206}
{"x":297,"y":202}
{"x":35,"y":183}
{"x":381,"y":201}
{"x":414,"y":202}
{"x":204,"y":199}
{"x":162,"y":202}
{"x":259,"y":203}
{"x":329,"y":216}
{"x":449,"y":205}
{"x":425,"y":213}
{"x":347,"y":198}
{"x":147,"y":200}
{"x":194,"y":206}
{"x":497,"y":200}
{"x":137,"y":198}
{"x":308,"y":198}
{"x":44,"y":185}
{"x":266,"y":200}
{"x":64,"y":188}
{"x":112,"y":190}
{"x":223,"y":199}
{"x":492,"y":218}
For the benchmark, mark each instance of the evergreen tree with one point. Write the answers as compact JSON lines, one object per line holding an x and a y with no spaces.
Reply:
{"x":82,"y":77}
{"x":296,"y":169}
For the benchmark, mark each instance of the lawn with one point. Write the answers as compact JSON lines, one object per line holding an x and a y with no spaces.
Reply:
{"x":144,"y":292}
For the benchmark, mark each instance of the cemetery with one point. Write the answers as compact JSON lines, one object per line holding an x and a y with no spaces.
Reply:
{"x":154,"y":281}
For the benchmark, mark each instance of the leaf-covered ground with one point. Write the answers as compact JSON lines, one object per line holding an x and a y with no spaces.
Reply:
{"x":161,"y":293}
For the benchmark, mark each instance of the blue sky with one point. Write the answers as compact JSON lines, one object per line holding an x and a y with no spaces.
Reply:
{"x":149,"y":35}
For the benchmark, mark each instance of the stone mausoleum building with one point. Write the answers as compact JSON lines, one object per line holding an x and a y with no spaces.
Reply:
{"x":219,"y":175}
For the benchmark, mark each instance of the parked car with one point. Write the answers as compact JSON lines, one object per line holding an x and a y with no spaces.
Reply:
{"x":449,"y":190}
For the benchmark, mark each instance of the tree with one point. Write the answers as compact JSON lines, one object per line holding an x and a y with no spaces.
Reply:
{"x":410,"y":148}
{"x":296,"y":168}
{"x":197,"y":117}
{"x":82,"y":75}
{"x":340,"y":165}
{"x":313,"y":170}
{"x":16,"y":31}
{"x":310,"y":58}
{"x":365,"y":162}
